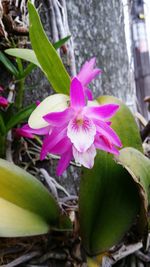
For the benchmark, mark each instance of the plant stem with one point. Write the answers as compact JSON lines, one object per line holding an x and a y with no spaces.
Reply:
{"x":20,"y":91}
{"x":20,"y":94}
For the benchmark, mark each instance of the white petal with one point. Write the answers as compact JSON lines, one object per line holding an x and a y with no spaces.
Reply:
{"x":53,"y":103}
{"x":85,"y":158}
{"x":81,"y":133}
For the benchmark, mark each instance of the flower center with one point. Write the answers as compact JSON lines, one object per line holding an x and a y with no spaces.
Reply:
{"x":79,"y":121}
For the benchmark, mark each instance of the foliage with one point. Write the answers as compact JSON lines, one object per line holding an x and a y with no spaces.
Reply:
{"x":113,"y":195}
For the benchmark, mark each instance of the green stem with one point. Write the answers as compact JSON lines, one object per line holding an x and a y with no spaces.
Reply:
{"x":20,"y":91}
{"x":20,"y":94}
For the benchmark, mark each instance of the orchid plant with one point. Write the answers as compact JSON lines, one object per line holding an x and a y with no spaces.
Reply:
{"x":115,"y":181}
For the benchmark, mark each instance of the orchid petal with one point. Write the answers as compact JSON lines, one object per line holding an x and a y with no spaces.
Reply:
{"x":52,"y":140}
{"x":87,"y":72}
{"x":104,"y":130}
{"x":91,"y":76}
{"x":100,"y":143}
{"x":88,"y":94}
{"x":101,"y":112}
{"x":81,"y":133}
{"x":41,"y":131}
{"x":53,"y":103}
{"x":64,"y":162}
{"x":77,"y":97}
{"x":59,"y":118}
{"x":85,"y":158}
{"x":21,"y":132}
{"x":61,"y":147}
{"x":26,"y":131}
{"x":3,"y":102}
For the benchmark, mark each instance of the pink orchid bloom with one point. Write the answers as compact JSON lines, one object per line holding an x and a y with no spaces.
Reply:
{"x":27,"y":131}
{"x":87,"y":74}
{"x":79,"y":130}
{"x":3,"y":102}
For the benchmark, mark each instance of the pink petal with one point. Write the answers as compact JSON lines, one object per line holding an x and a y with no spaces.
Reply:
{"x":101,"y":112}
{"x":26,"y":131}
{"x":104,"y":130}
{"x":85,"y":158}
{"x":21,"y":132}
{"x":86,"y":68}
{"x":87,"y":72}
{"x":61,"y":147}
{"x":64,"y":162}
{"x":52,"y":140}
{"x":59,"y":118}
{"x":88,"y":93}
{"x":81,"y":132}
{"x":77,"y":97}
{"x":91,"y":76}
{"x":3,"y":102}
{"x":38,"y":102}
{"x":100,"y":143}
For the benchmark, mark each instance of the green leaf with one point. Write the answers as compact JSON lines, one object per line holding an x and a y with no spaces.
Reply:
{"x":26,"y":206}
{"x":61,"y":42}
{"x":9,"y":65}
{"x":29,"y":54}
{"x":23,"y":53}
{"x":124,"y":123}
{"x":16,"y":221}
{"x":138,"y":166}
{"x":109,"y":203}
{"x":19,"y":117}
{"x":109,"y":198}
{"x":28,"y":70}
{"x":46,"y":54}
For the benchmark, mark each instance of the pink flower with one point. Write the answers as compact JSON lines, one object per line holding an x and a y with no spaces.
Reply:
{"x":87,"y":74}
{"x":26,"y":131}
{"x":3,"y":102}
{"x":78,"y":130}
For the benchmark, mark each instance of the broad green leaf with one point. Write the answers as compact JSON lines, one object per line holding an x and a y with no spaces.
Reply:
{"x":22,"y":189}
{"x":29,"y":54}
{"x":23,"y":53}
{"x":124,"y":123}
{"x":8,"y":64}
{"x":46,"y":54}
{"x":16,"y":221}
{"x":24,"y":196}
{"x":20,"y":117}
{"x":109,"y":203}
{"x":137,"y":165}
{"x":109,"y":199}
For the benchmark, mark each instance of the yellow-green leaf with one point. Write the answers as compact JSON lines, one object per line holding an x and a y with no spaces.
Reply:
{"x":23,"y":197}
{"x":16,"y":221}
{"x":46,"y":54}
